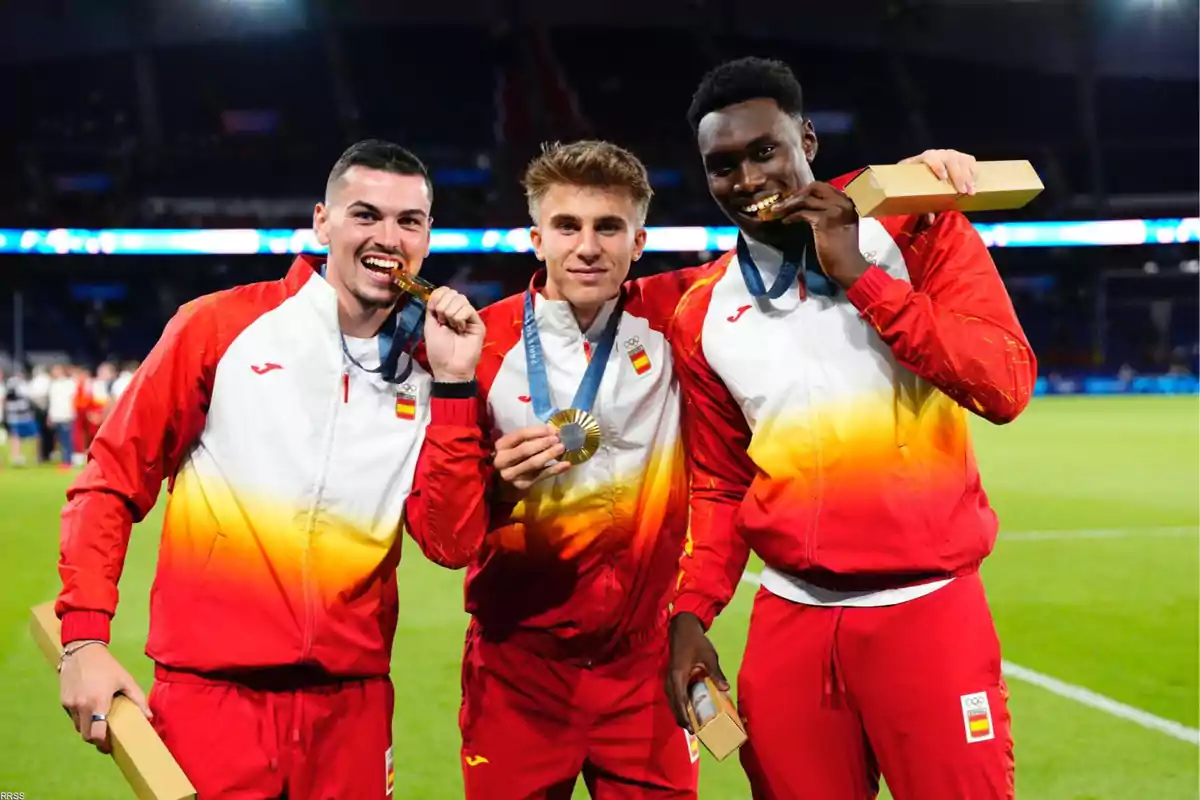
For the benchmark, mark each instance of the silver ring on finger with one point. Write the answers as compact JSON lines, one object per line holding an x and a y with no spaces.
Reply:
{"x":99,"y":717}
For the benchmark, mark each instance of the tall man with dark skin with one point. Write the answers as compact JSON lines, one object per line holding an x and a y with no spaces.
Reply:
{"x":841,"y":455}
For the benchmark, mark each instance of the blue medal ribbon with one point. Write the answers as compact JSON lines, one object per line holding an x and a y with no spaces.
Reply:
{"x":535,"y":361}
{"x":399,"y":336}
{"x":814,"y":280}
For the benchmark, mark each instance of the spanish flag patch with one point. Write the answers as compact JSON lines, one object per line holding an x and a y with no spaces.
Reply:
{"x":977,"y":717}
{"x":406,"y":402}
{"x":637,"y":356}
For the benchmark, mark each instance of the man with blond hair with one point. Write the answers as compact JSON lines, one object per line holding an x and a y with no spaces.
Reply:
{"x":566,"y":651}
{"x":568,"y":598}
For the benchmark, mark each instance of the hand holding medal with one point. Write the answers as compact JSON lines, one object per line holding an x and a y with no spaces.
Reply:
{"x":932,"y":181}
{"x":528,"y":455}
{"x":452,"y":329}
{"x":454,"y":336}
{"x":423,"y":290}
{"x":830,"y":233}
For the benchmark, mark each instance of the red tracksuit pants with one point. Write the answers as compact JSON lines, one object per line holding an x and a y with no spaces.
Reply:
{"x":832,"y":696}
{"x":530,"y":725}
{"x":278,"y":738}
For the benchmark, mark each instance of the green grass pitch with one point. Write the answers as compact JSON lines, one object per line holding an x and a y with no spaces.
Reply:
{"x":1094,"y":582}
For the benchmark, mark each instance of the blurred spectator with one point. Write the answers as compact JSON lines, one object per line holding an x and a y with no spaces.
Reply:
{"x":122,"y":380}
{"x":39,"y":396}
{"x":87,"y":420}
{"x":60,"y":411}
{"x":106,"y":375}
{"x":18,"y":418}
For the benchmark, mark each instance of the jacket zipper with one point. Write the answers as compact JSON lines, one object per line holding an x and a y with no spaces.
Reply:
{"x":810,"y":539}
{"x":310,"y":611}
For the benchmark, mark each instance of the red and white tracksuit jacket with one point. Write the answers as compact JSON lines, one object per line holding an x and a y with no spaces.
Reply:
{"x":289,"y":475}
{"x":828,"y":434}
{"x":581,"y":567}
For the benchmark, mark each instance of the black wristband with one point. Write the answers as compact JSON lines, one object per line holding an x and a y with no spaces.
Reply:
{"x":455,"y":391}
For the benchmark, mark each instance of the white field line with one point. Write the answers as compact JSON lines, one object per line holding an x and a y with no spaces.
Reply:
{"x":1081,"y":695}
{"x":1101,"y":703}
{"x":1100,"y":533}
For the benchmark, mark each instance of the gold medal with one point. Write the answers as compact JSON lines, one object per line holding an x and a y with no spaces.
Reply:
{"x":768,"y":212}
{"x":579,"y":433}
{"x":418,"y":288}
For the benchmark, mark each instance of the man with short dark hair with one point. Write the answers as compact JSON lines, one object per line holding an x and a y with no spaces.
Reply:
{"x":827,"y":365}
{"x":298,"y":431}
{"x":381,"y":156}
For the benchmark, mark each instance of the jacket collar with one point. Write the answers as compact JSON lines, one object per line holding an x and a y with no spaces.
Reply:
{"x":305,"y":280}
{"x":556,"y":318}
{"x":303,"y":268}
{"x":311,"y":269}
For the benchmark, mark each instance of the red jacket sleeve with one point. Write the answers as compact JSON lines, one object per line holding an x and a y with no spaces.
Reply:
{"x":954,"y":324}
{"x":716,"y":439}
{"x":150,"y":429}
{"x":446,"y":512}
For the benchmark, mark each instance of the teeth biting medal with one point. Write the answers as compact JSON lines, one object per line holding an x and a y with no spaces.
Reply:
{"x":765,"y":209}
{"x":417,"y":287}
{"x":400,"y":333}
{"x":578,"y":430}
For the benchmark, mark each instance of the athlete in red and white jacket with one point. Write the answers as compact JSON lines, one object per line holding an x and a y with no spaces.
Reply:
{"x":294,"y":451}
{"x":827,"y":431}
{"x":568,"y":599}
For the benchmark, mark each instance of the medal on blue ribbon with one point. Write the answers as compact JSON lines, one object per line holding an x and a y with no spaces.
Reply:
{"x":815,"y":281}
{"x":578,"y":430}
{"x":417,"y":287}
{"x":398,"y":337}
{"x":401,"y":336}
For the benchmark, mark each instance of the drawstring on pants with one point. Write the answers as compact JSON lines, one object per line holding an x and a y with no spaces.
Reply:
{"x":270,"y":736}
{"x":832,"y":678}
{"x":297,"y":716}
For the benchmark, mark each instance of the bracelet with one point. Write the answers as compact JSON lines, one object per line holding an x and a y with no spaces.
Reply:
{"x":464,"y":390}
{"x":74,"y":647}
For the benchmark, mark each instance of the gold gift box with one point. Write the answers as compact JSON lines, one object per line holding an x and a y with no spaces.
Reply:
{"x":143,"y":759}
{"x":896,"y":189}
{"x":723,"y":733}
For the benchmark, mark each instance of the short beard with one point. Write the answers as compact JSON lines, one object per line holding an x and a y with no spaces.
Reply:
{"x":375,"y":303}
